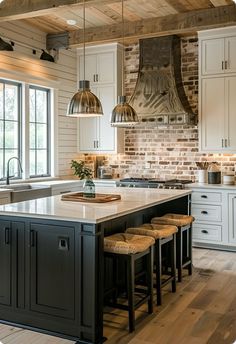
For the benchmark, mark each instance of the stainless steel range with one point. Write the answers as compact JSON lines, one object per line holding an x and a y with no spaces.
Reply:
{"x":153,"y":183}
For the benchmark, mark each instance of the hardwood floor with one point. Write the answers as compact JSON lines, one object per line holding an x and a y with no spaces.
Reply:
{"x":202,"y":311}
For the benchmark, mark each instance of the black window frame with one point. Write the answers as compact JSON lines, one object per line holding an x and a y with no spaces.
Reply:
{"x":19,"y":150}
{"x":48,"y":93}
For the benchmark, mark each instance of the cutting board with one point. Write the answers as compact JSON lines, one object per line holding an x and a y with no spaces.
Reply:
{"x":99,"y":198}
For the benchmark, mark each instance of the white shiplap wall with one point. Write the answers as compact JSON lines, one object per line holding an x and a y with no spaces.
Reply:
{"x":23,"y":65}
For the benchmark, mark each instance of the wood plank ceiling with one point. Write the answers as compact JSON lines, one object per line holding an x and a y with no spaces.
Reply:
{"x":109,"y":13}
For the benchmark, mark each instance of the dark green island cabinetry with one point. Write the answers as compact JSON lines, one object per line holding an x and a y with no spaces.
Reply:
{"x":51,"y":264}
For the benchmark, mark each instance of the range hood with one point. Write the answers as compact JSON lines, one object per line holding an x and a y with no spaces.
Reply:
{"x":159,"y":90}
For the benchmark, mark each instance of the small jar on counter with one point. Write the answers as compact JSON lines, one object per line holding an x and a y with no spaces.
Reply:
{"x":214,"y":174}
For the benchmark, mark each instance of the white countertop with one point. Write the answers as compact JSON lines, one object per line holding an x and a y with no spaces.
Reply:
{"x":54,"y":208}
{"x":210,"y":186}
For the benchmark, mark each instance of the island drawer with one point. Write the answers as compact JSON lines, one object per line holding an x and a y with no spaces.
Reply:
{"x":203,"y":212}
{"x":206,"y":197}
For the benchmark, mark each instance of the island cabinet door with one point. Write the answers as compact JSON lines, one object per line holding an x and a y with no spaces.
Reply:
{"x":5,"y":263}
{"x":52,"y":270}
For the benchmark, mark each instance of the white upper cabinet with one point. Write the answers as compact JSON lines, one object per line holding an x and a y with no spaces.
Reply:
{"x":102,"y":69}
{"x":218,"y":51}
{"x":213,"y":56}
{"x":217,"y":90}
{"x":230,"y":54}
{"x":212,"y":120}
{"x":99,"y":68}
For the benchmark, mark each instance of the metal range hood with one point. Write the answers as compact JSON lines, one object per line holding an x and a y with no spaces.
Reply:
{"x":159,"y":89}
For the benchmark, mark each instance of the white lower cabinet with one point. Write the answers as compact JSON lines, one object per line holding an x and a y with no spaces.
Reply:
{"x":214,"y":210}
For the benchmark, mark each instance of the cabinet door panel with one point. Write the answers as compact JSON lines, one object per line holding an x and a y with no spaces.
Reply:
{"x":212,"y":114}
{"x":90,"y":67}
{"x":106,"y":67}
{"x":5,"y":266}
{"x":88,"y":131}
{"x":230,"y":86}
{"x":212,"y":56}
{"x":106,"y":132}
{"x":52,"y":289}
{"x":230,"y":54}
{"x":232,"y":218}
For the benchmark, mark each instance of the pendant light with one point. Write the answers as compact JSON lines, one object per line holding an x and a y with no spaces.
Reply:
{"x":123,"y":115}
{"x":84,"y":103}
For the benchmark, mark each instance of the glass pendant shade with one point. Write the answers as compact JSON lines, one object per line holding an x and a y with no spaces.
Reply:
{"x":123,"y":115}
{"x":84,"y":103}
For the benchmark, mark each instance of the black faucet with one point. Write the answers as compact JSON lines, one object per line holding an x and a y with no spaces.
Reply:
{"x":8,"y":162}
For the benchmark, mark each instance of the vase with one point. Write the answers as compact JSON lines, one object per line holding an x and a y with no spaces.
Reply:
{"x":89,"y":189}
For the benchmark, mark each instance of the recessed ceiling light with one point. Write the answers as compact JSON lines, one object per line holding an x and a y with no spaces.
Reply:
{"x":70,"y":21}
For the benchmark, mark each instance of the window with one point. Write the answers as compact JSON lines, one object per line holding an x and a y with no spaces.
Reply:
{"x":25,"y":127}
{"x":39,"y":157}
{"x":10,"y":126}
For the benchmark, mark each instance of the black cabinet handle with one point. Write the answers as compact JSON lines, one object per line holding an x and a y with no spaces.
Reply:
{"x":204,"y":231}
{"x":63,"y":192}
{"x":204,"y":212}
{"x":203,"y":196}
{"x":63,"y":243}
{"x":7,"y":236}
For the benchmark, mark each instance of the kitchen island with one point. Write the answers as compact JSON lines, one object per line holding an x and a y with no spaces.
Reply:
{"x":51,"y":257}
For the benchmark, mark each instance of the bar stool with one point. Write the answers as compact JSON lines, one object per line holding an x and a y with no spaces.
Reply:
{"x":129,"y":248}
{"x":163,"y":235}
{"x":183,"y":239}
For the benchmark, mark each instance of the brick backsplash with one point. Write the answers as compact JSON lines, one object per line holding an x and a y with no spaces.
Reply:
{"x":170,"y":152}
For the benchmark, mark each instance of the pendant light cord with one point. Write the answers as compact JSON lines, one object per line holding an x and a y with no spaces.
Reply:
{"x":84,"y":39}
{"x":123,"y":48}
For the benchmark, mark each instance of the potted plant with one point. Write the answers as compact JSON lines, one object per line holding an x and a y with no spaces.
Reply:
{"x":80,"y":170}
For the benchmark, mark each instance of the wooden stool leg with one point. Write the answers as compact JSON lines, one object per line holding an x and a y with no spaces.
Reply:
{"x":130,"y":290}
{"x":190,"y":267}
{"x":173,"y":263}
{"x":158,"y":270}
{"x":150,"y":280}
{"x":179,"y":253}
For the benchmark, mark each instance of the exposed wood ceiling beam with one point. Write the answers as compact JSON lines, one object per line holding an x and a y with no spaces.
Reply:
{"x":181,"y":23}
{"x":11,"y":10}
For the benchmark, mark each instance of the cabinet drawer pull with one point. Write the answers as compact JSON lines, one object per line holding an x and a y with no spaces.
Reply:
{"x":203,"y":196}
{"x":63,"y":192}
{"x":226,"y":65}
{"x":94,"y":77}
{"x":7,"y":236}
{"x":63,"y":243}
{"x":204,"y":231}
{"x":97,"y":77}
{"x":226,"y":143}
{"x":204,"y":212}
{"x":222,"y":143}
{"x":222,"y":65}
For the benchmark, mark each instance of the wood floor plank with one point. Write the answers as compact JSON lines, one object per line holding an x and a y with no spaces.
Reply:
{"x":202,"y":311}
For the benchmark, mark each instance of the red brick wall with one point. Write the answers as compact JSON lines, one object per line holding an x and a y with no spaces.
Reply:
{"x":172,"y":151}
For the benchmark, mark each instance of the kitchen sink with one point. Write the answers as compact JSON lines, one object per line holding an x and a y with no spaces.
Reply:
{"x":25,"y":192}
